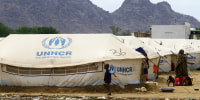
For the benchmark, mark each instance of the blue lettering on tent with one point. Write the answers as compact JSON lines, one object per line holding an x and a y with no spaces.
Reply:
{"x":55,"y":43}
{"x":46,"y":53}
{"x":53,"y":54}
{"x":191,"y":58}
{"x":161,"y":62}
{"x":120,"y":70}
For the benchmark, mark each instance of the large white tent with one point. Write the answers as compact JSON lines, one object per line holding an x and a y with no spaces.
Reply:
{"x":177,"y":44}
{"x":134,"y":43}
{"x":195,"y":43}
{"x":66,"y":60}
{"x":185,"y":44}
{"x":164,"y":52}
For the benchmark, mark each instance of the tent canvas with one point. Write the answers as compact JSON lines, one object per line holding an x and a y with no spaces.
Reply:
{"x":65,"y":59}
{"x":194,"y":42}
{"x":134,"y":43}
{"x":165,"y":64}
{"x":178,"y":44}
{"x":164,"y":52}
{"x":197,"y":44}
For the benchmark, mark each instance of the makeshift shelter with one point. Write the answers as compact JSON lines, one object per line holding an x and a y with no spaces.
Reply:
{"x":134,"y":43}
{"x":66,"y":60}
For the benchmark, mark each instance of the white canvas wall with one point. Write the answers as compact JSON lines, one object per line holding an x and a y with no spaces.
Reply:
{"x":165,"y":64}
{"x":127,"y":71}
{"x":35,"y":51}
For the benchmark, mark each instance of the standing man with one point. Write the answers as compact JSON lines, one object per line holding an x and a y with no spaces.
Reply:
{"x":107,"y":78}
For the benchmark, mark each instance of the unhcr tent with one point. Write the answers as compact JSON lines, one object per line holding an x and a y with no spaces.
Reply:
{"x":134,"y":43}
{"x":178,"y":44}
{"x":195,"y":43}
{"x":164,"y":52}
{"x":66,"y":60}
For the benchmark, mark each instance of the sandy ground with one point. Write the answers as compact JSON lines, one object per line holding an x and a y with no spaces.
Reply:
{"x":153,"y":91}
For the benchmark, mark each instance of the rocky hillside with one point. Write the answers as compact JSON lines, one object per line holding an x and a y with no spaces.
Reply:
{"x":139,"y":15}
{"x":81,"y":16}
{"x":69,"y":16}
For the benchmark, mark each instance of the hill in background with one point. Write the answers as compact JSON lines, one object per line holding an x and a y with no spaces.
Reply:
{"x":81,"y":16}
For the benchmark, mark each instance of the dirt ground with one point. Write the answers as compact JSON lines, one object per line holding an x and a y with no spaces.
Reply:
{"x":153,"y":91}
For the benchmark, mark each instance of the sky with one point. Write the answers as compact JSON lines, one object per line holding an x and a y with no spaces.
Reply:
{"x":186,"y":7}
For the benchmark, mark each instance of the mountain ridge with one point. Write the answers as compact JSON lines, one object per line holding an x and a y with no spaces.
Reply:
{"x":82,"y":16}
{"x":141,"y":17}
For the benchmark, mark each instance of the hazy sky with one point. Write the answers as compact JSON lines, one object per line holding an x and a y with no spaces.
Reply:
{"x":187,"y":7}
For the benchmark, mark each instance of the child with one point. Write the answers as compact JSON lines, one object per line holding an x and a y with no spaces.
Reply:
{"x":171,"y":79}
{"x":107,"y":78}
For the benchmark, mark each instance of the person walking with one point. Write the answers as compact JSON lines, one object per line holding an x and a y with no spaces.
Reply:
{"x":107,"y":78}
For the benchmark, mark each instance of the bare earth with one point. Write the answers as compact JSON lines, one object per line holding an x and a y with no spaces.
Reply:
{"x":153,"y":91}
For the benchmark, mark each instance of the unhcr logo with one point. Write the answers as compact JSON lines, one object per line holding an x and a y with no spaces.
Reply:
{"x":191,"y":58}
{"x":121,"y":70}
{"x":56,"y":43}
{"x":56,"y":46}
{"x":161,"y":62}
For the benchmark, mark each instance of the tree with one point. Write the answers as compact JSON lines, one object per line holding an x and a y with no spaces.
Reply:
{"x":23,"y":30}
{"x":4,"y":30}
{"x":148,"y":32}
{"x":36,"y":30}
{"x":115,"y":30}
{"x":197,"y":28}
{"x":47,"y":30}
{"x":126,"y":33}
{"x":197,"y":35}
